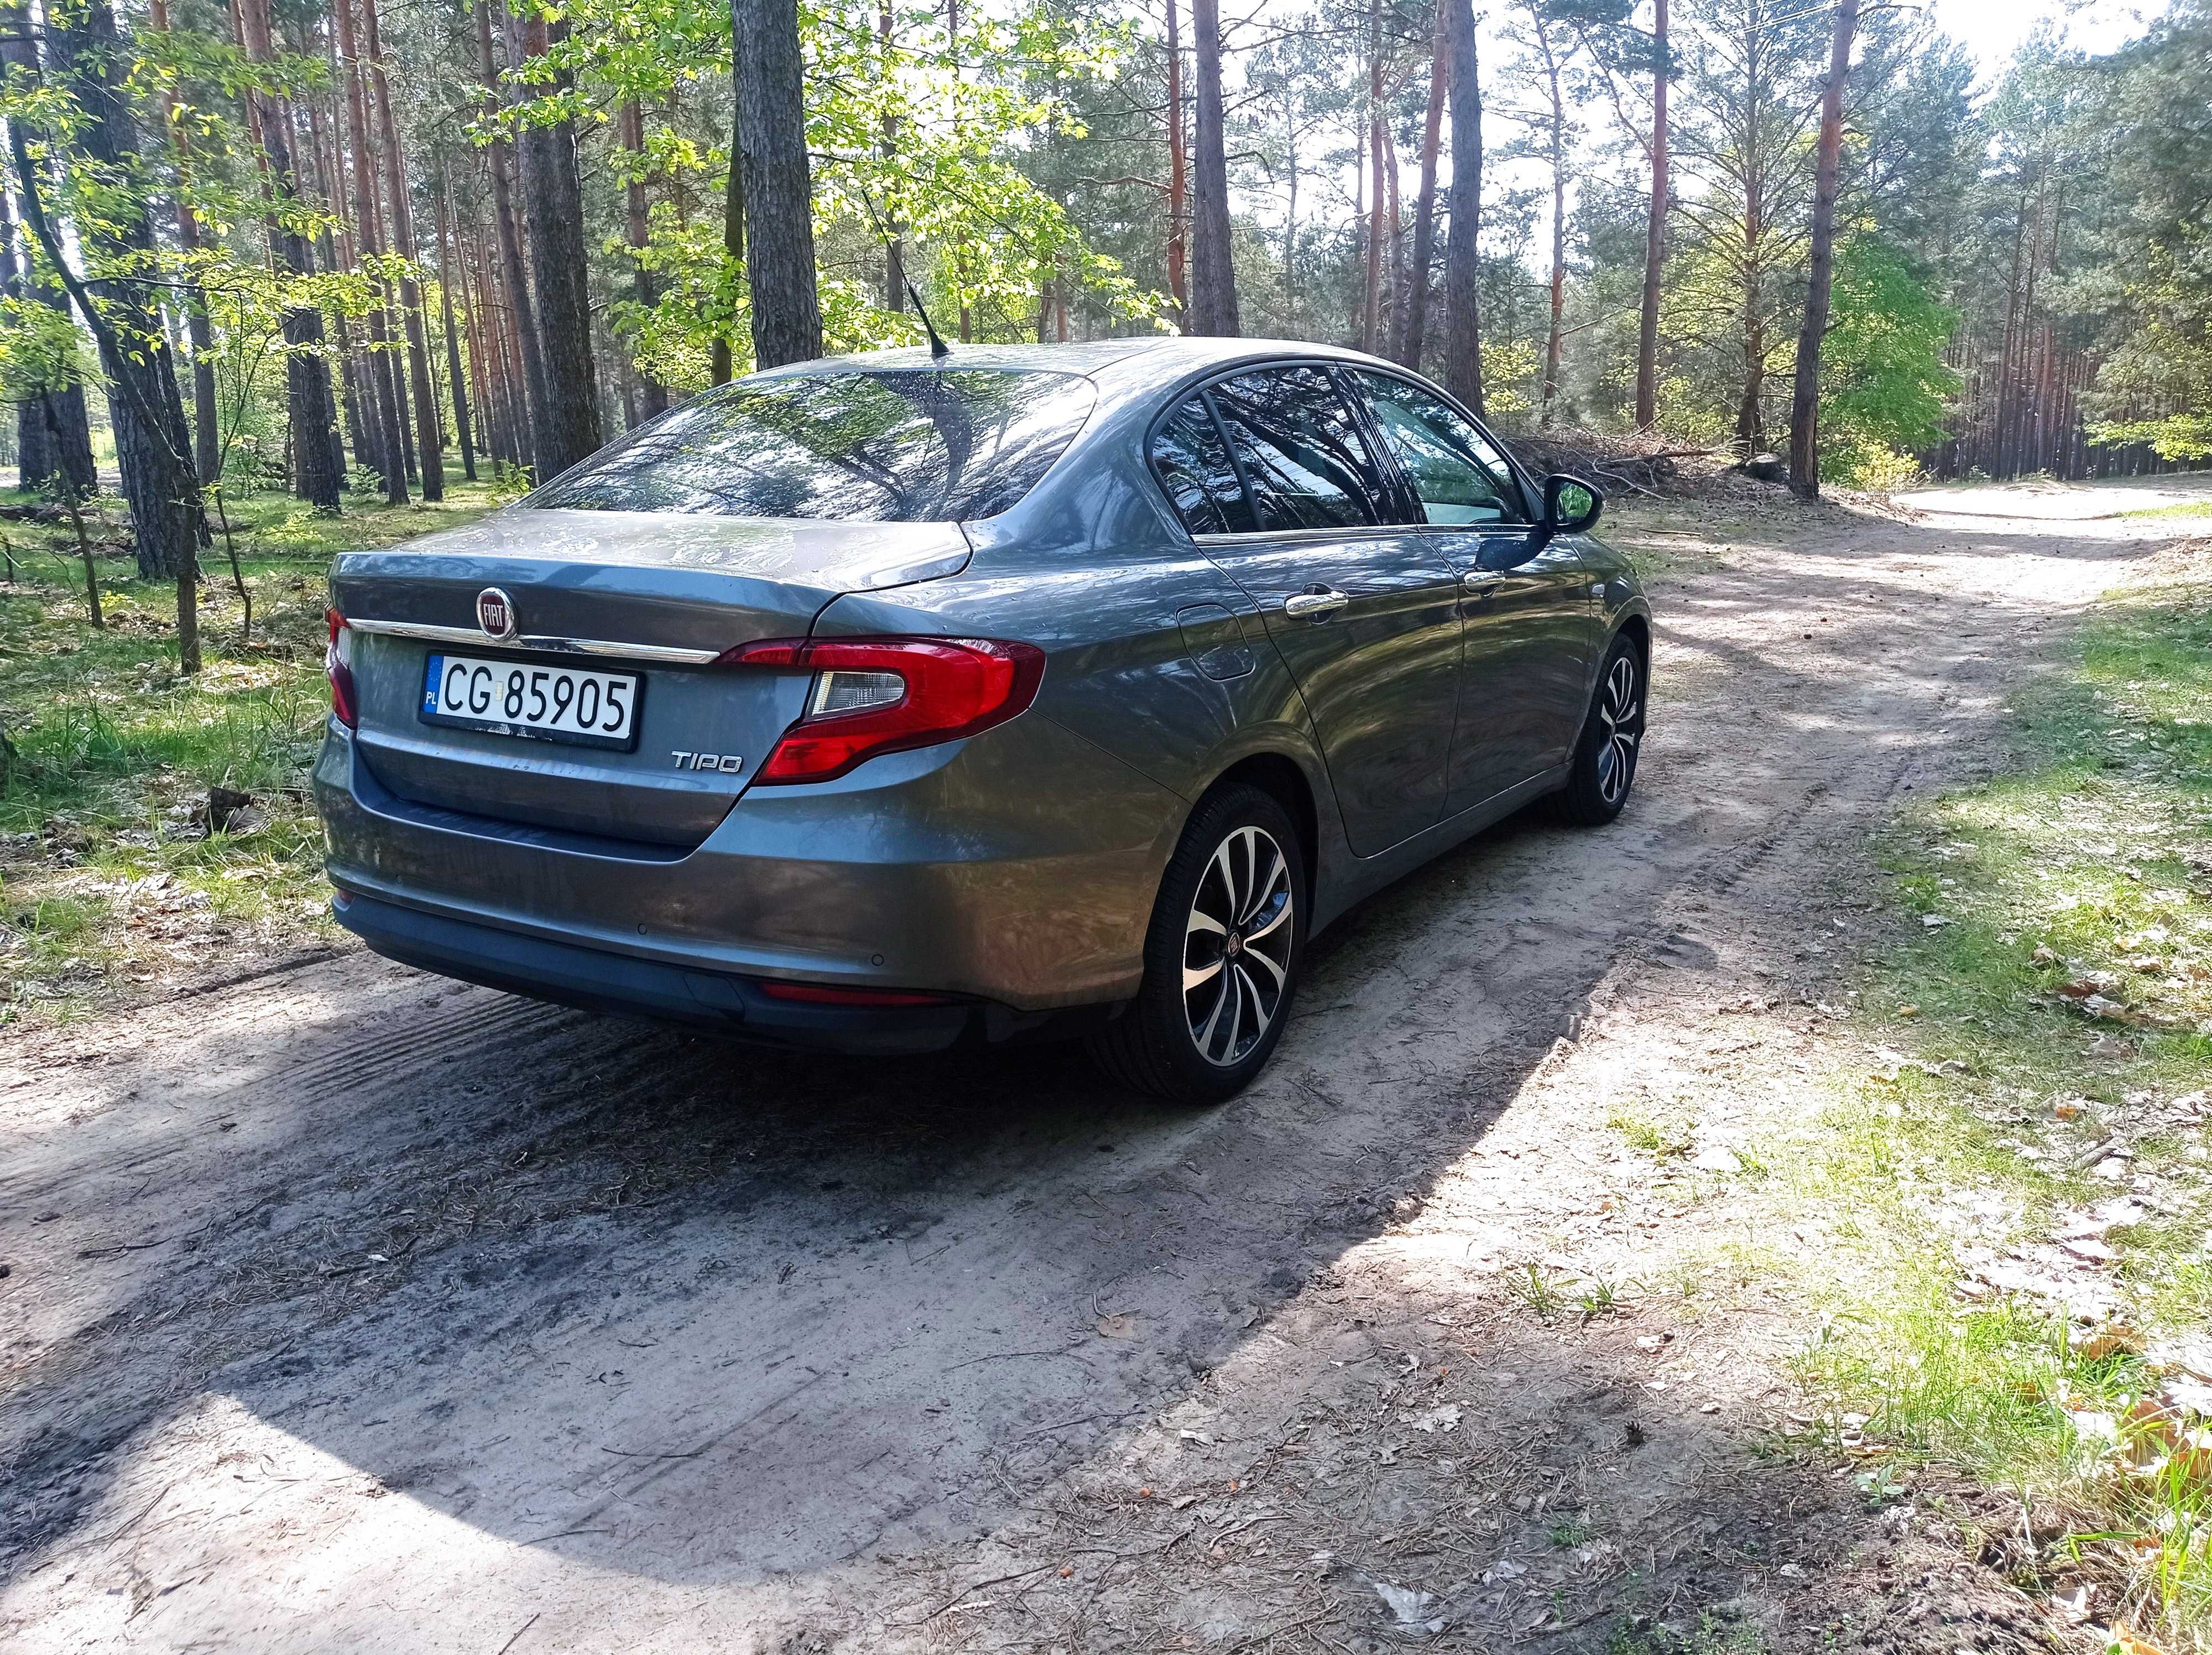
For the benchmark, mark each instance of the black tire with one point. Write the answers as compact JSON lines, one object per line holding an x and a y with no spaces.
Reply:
{"x":1612,"y":739}
{"x":1241,"y":859}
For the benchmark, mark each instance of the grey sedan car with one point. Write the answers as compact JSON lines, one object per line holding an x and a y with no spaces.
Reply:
{"x":893,"y":701}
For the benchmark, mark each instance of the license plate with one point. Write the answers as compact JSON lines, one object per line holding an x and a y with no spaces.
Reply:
{"x":552,"y":703}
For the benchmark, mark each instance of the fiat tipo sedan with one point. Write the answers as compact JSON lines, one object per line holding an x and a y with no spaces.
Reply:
{"x":897,"y":701}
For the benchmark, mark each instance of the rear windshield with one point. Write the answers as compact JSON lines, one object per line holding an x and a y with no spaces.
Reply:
{"x":884,"y":445}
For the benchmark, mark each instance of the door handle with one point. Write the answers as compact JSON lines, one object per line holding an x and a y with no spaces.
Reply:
{"x":1481,"y":584}
{"x":1314,"y":604}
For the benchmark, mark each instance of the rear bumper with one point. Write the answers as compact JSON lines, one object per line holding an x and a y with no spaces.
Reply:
{"x":734,"y":1005}
{"x":1017,"y":870}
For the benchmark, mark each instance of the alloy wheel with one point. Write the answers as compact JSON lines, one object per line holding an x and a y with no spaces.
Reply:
{"x":1620,"y":717}
{"x":1237,"y":946}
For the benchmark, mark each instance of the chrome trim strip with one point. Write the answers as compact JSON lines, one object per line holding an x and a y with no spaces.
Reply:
{"x":671,"y":654}
{"x":1362,"y":531}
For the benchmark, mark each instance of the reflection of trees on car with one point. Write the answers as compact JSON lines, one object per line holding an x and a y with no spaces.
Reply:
{"x":1326,"y":479}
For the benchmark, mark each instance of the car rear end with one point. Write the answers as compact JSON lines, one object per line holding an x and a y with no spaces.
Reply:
{"x":610,"y":757}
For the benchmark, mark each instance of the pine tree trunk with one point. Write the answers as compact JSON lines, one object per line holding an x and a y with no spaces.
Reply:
{"x":1751,"y":413}
{"x":513,"y":271}
{"x":1553,"y":335}
{"x":1213,"y":276}
{"x":1805,"y":398}
{"x":429,"y":445}
{"x":1655,"y":234}
{"x":778,"y":192}
{"x":1290,"y":225}
{"x":503,"y":374}
{"x":316,"y":477}
{"x":1462,"y":269}
{"x":887,"y":150}
{"x":207,"y":441}
{"x":454,"y":377}
{"x":553,"y":202}
{"x":153,"y":444}
{"x":733,"y":228}
{"x":59,"y":439}
{"x":959,"y":269}
{"x":383,"y":381}
{"x":638,"y":222}
{"x":1372,"y":301}
{"x":491,"y":390}
{"x":320,"y":248}
{"x":335,"y":254}
{"x":1392,"y":316}
{"x":1178,"y":170}
{"x":1414,"y":335}
{"x":339,"y":247}
{"x":34,"y":447}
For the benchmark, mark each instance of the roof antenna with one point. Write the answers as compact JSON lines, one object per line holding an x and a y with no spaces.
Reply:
{"x":938,"y":351}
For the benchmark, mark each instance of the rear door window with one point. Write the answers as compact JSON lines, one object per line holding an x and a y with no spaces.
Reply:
{"x":1301,"y":450}
{"x":1459,"y":476}
{"x":883,"y":445}
{"x":1196,"y":469}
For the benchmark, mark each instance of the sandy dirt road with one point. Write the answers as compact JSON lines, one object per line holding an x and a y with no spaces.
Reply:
{"x":351,"y":1309}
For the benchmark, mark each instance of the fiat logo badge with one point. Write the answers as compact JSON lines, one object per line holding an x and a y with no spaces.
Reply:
{"x":495,"y":614}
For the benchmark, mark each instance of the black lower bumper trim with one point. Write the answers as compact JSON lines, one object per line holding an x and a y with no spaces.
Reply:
{"x":595,"y":980}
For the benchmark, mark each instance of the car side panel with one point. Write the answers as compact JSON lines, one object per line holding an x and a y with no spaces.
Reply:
{"x":1104,"y":588}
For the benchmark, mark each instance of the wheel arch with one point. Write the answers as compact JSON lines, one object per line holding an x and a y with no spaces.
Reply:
{"x":1637,"y":625}
{"x":1283,"y":778}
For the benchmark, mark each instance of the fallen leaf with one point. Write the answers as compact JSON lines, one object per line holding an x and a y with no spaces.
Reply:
{"x":2110,"y":1339}
{"x":1118,"y":1325}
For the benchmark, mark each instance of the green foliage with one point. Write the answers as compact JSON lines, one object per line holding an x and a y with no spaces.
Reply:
{"x":916,"y":135}
{"x":40,"y":350}
{"x":1884,"y":384}
{"x":2155,"y":384}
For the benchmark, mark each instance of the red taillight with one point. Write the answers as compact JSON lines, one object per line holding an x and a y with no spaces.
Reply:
{"x":338,"y":661}
{"x":822,"y":994}
{"x":873,"y":696}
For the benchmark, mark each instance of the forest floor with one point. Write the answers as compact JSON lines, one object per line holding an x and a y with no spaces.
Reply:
{"x":118,"y":883}
{"x":1775,"y":1222}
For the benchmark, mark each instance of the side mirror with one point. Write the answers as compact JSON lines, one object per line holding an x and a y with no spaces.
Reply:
{"x":1571,"y":505}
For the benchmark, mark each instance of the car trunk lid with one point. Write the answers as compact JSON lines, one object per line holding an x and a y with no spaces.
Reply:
{"x":658,"y":595}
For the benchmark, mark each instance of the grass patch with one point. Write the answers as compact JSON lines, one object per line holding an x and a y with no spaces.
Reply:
{"x":109,"y":882}
{"x":2022,"y":1290}
{"x":2183,"y":509}
{"x":1652,"y":1138}
{"x":1712,"y":1634}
